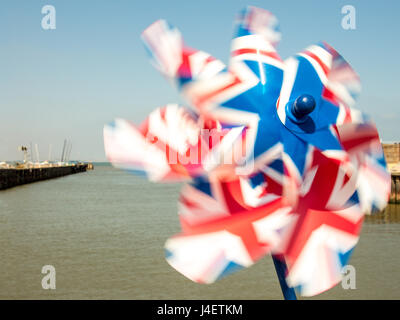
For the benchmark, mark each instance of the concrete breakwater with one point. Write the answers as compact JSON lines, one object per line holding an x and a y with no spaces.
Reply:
{"x":11,"y":177}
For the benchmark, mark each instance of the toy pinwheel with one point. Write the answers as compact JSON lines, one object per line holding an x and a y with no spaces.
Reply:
{"x":274,"y":157}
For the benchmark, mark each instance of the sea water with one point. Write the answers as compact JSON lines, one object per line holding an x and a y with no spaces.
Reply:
{"x":104,"y":232}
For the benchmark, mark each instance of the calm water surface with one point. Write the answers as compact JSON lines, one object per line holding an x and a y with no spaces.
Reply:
{"x":104,"y":232}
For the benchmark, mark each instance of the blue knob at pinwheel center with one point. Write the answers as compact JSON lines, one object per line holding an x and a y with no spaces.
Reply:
{"x":303,"y":105}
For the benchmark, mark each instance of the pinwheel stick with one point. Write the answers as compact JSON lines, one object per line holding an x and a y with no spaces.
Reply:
{"x":280,"y":267}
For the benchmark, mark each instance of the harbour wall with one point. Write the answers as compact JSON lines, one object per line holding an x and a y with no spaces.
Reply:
{"x":395,"y":189}
{"x":392,"y":152}
{"x":12,"y":177}
{"x":392,"y":157}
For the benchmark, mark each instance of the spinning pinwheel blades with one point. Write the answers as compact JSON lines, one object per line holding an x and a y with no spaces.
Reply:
{"x":274,"y":158}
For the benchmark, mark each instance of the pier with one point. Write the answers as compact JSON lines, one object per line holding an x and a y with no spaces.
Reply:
{"x":15,"y":176}
{"x":395,"y":189}
{"x":392,"y":157}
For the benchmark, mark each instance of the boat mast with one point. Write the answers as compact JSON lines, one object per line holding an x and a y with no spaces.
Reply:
{"x":63,"y":150}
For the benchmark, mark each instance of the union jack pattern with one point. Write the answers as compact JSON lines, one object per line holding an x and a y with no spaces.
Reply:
{"x":303,"y":187}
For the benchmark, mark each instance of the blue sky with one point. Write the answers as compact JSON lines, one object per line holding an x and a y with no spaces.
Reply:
{"x":69,"y":82}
